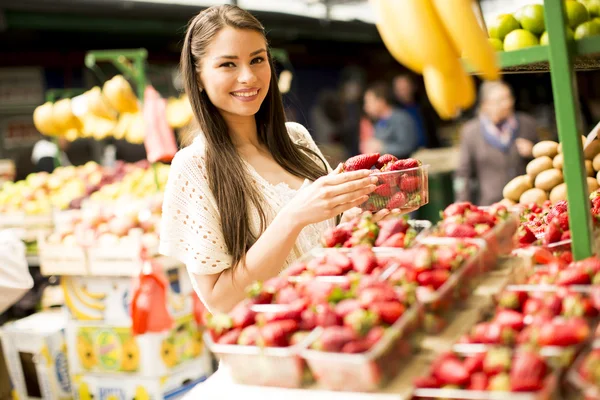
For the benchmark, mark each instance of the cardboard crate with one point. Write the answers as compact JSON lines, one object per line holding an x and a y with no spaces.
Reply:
{"x":59,"y":259}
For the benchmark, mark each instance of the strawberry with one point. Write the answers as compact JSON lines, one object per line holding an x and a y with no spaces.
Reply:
{"x":249,"y":336}
{"x":294,"y":270}
{"x":499,"y":383}
{"x":492,"y":333}
{"x":559,"y":208}
{"x":385,"y":159}
{"x":566,"y":256}
{"x":384,"y":190}
{"x":497,"y":360}
{"x":397,"y":240}
{"x":274,"y":285}
{"x":447,"y":257}
{"x":340,"y":260}
{"x":451,"y":371}
{"x":524,"y":236}
{"x":400,"y":165}
{"x":242,"y":315}
{"x":479,"y":381}
{"x":566,"y":235}
{"x":325,"y":315}
{"x":474,"y":218}
{"x":512,"y":300}
{"x":553,"y":233}
{"x":563,"y":221}
{"x":308,"y":320}
{"x":361,"y":161}
{"x":276,"y":333}
{"x":527,"y":372}
{"x":474,"y":363}
{"x":371,"y":295}
{"x":590,"y":264}
{"x":398,"y":200}
{"x":410,"y":184}
{"x":456,"y":209}
{"x":388,"y":311}
{"x":543,"y":256}
{"x":335,"y":237}
{"x":287,"y":295}
{"x":563,"y":332}
{"x":434,"y":278}
{"x":532,"y":306}
{"x":460,"y":231}
{"x":291,"y":311}
{"x":574,"y":305}
{"x":230,"y":337}
{"x":374,"y":335}
{"x":333,"y":338}
{"x":328,"y":270}
{"x":510,"y":318}
{"x":361,"y":321}
{"x":365,"y":233}
{"x":426,"y":382}
{"x":347,"y":306}
{"x":298,"y":337}
{"x":219,"y":324}
{"x":573,"y":276}
{"x":363,"y":259}
{"x":259,"y":294}
{"x":355,"y":346}
{"x":389,"y":227}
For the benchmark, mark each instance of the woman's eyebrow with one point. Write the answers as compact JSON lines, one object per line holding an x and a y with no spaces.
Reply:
{"x":236,"y":57}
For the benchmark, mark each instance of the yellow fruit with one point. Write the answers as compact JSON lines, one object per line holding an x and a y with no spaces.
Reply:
{"x":197,"y":344}
{"x":98,"y":105}
{"x":544,"y":38}
{"x":84,"y":392}
{"x":423,"y":33}
{"x":391,"y":35}
{"x":63,"y":116}
{"x":496,"y":44}
{"x":168,"y":353}
{"x":136,"y":132}
{"x":86,"y":353}
{"x":44,"y":121}
{"x":519,"y":39}
{"x":131,"y":355}
{"x":531,"y":18}
{"x":576,"y":13}
{"x":119,"y":95}
{"x":593,"y":7}
{"x":141,"y":394}
{"x":467,"y":36}
{"x":440,"y":93}
{"x":587,"y":29}
{"x":502,"y":25}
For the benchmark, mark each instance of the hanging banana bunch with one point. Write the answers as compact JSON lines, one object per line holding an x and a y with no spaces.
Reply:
{"x":44,"y":121}
{"x":119,"y":95}
{"x":179,"y":112}
{"x":428,"y":37}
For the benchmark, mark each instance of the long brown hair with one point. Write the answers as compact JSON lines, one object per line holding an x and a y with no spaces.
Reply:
{"x":227,"y":176}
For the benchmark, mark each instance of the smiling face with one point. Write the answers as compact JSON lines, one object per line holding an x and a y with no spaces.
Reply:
{"x":235,"y":72}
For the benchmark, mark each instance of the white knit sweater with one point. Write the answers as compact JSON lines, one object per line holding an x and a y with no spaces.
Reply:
{"x":191,"y":227}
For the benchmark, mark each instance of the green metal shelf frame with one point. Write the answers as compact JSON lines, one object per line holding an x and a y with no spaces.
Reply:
{"x":561,"y":58}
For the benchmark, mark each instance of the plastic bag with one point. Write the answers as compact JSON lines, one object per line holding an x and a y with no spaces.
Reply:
{"x":15,"y":279}
{"x":159,"y":139}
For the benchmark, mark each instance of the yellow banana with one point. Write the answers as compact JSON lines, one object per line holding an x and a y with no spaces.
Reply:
{"x":423,"y":33}
{"x":63,"y":116}
{"x":44,"y":121}
{"x":468,"y":37}
{"x":80,"y":296}
{"x":440,"y":90}
{"x":387,"y":27}
{"x":71,"y":305}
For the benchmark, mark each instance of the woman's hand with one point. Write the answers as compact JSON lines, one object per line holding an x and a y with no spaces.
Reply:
{"x":357,"y":212}
{"x":329,"y":196}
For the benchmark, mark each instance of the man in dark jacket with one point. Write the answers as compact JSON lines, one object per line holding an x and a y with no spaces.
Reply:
{"x":395,"y":130}
{"x":495,"y":146}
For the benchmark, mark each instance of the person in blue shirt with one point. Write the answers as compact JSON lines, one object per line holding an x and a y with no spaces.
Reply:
{"x":395,"y":130}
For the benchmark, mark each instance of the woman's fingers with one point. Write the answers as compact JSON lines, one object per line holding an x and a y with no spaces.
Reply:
{"x":346,"y":206}
{"x":352,"y":186}
{"x":381,"y":214}
{"x":351,"y":196}
{"x":336,"y":179}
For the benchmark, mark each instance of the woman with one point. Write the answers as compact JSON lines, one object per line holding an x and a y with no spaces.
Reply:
{"x":495,"y":146}
{"x":251,"y":193}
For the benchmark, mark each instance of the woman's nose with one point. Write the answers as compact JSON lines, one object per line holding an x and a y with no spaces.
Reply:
{"x":247,"y":76}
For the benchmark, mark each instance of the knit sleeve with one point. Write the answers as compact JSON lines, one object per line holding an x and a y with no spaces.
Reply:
{"x":190,"y":227}
{"x":301,"y":136}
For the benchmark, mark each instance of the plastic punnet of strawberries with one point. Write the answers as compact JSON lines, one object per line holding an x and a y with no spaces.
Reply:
{"x":559,"y":318}
{"x":560,"y":273}
{"x":588,"y":371}
{"x":466,"y":220}
{"x":498,"y":369}
{"x":393,"y":231}
{"x":403,"y":184}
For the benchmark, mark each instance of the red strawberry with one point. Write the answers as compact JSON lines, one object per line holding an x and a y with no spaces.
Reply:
{"x":573,"y":276}
{"x":298,"y":337}
{"x":451,"y":372}
{"x":497,"y":360}
{"x":347,"y":306}
{"x":410,"y":184}
{"x":559,"y":208}
{"x":249,"y":336}
{"x":371,"y":295}
{"x":457,"y":209}
{"x":275,"y":334}
{"x":460,"y":231}
{"x":397,"y":240}
{"x":566,"y":235}
{"x":356,"y":346}
{"x":389,"y":227}
{"x":527,"y":372}
{"x":335,"y":237}
{"x":362,"y":161}
{"x":563,"y":221}
{"x":447,"y":257}
{"x":532,"y":306}
{"x":274,"y":285}
{"x":512,"y":300}
{"x":566,"y":256}
{"x":590,"y":264}
{"x":474,"y":218}
{"x":287,"y":295}
{"x":219,"y":324}
{"x":333,"y":338}
{"x":294,"y":270}
{"x":388,"y":311}
{"x":398,"y":200}
{"x":525,"y":236}
{"x":510,"y":318}
{"x":384,"y":160}
{"x":242,"y":315}
{"x":374,"y":335}
{"x":404,"y":164}
{"x":479,"y":382}
{"x":563,"y":332}
{"x":308,"y":320}
{"x":553,"y":233}
{"x":291,"y":311}
{"x":474,"y":363}
{"x":363,"y":259}
{"x":325,"y":315}
{"x":543,"y":256}
{"x":434,"y":278}
{"x":327,"y":270}
{"x":384,"y":190}
{"x":361,"y":321}
{"x":492,"y":333}
{"x":426,"y":382}
{"x":340,"y":260}
{"x":230,"y":337}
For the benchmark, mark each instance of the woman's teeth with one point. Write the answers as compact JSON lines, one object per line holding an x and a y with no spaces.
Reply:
{"x":246,"y":94}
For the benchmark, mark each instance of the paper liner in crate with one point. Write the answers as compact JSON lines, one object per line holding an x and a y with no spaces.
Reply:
{"x":405,"y":190}
{"x":369,"y":371}
{"x":548,"y":389}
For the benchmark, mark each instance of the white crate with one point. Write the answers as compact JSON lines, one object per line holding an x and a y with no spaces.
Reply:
{"x":123,"y":259}
{"x":58,"y":259}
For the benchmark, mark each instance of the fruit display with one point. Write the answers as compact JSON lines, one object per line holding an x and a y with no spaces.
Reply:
{"x":403,"y":184}
{"x":584,"y":374}
{"x":99,"y":113}
{"x":544,"y":179}
{"x":526,"y":27}
{"x":429,"y":37}
{"x":469,"y":376}
{"x":393,"y":231}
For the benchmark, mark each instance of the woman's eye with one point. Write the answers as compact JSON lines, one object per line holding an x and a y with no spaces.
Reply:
{"x":258,"y":60}
{"x":227,"y":64}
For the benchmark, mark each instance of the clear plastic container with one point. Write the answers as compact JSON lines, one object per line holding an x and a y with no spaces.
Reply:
{"x":546,"y":393}
{"x":405,"y":190}
{"x":369,"y":371}
{"x":264,"y":366}
{"x":588,"y":389}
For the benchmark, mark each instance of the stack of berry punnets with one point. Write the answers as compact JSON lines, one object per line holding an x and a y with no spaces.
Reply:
{"x":495,"y":224}
{"x":393,"y":231}
{"x":584,"y":375}
{"x":403,"y":184}
{"x":441,"y":271}
{"x":552,"y":270}
{"x":557,"y":320}
{"x":271,"y":329}
{"x":469,"y":376}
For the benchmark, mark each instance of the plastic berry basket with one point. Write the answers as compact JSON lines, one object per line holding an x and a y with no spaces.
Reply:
{"x":406,"y":190}
{"x":588,"y":389}
{"x":550,"y":386}
{"x":369,"y":371}
{"x":263,"y":366}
